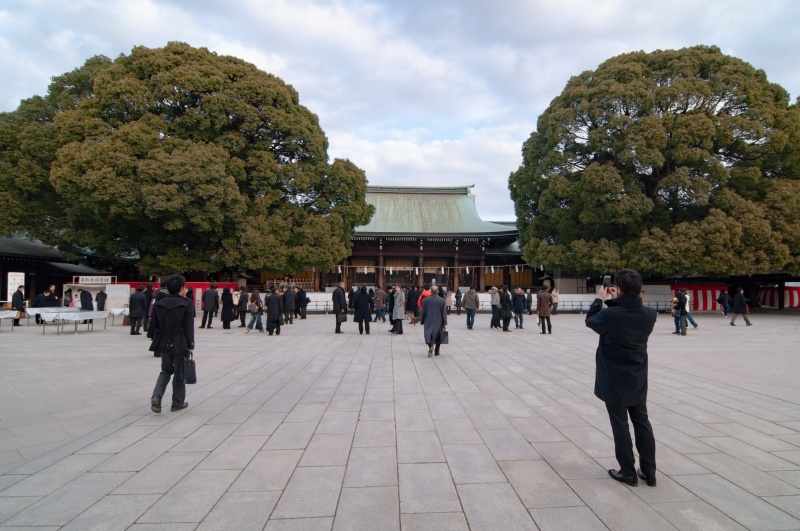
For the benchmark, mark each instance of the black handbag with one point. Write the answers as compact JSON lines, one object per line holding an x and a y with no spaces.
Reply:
{"x":444,"y":337}
{"x":341,"y":317}
{"x":189,"y":370}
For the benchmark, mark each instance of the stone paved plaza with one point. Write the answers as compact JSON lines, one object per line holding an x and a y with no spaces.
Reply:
{"x":310,"y":430}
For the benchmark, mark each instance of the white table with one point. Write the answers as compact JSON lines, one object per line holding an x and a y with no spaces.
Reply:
{"x":8,"y":314}
{"x":62,"y":318}
{"x":118,"y":311}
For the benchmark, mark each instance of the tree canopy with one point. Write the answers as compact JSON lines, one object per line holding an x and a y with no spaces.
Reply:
{"x":183,"y":158}
{"x":673,"y":162}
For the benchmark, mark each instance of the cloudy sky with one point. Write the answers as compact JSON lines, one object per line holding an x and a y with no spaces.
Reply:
{"x":415,"y":92}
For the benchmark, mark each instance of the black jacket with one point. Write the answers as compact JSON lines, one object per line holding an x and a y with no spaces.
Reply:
{"x":86,"y":301}
{"x":621,"y":358}
{"x":171,"y":325}
{"x":301,"y":298}
{"x":137,"y":305}
{"x":18,"y":301}
{"x":289,"y":300}
{"x":274,"y":307}
{"x":100,"y":299}
{"x":518,"y":300}
{"x":506,"y":308}
{"x":363,"y":304}
{"x":148,"y":296}
{"x":739,"y":303}
{"x":339,"y":300}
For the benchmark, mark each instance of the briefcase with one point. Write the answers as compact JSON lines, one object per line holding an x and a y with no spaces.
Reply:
{"x":189,"y":370}
{"x":444,"y":337}
{"x":126,"y":321}
{"x":341,"y":317}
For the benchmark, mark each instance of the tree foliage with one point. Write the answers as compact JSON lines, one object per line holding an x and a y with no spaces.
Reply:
{"x":673,"y":162}
{"x":188,"y":160}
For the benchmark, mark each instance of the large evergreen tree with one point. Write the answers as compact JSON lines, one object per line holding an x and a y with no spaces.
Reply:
{"x":186,"y":159}
{"x":673,"y":162}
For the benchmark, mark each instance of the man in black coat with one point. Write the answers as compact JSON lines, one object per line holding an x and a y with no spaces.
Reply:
{"x":86,"y":301}
{"x":740,"y":307}
{"x":18,"y":302}
{"x":621,"y":375}
{"x":289,"y":300}
{"x":364,"y":306}
{"x":274,"y":308}
{"x":100,"y":299}
{"x":148,"y":297}
{"x":339,"y":305}
{"x":210,"y":305}
{"x":137,"y":308}
{"x":172,"y":332}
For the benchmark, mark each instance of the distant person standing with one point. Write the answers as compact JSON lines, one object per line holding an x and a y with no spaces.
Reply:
{"x":273,"y":305}
{"x":543,"y":302}
{"x":379,"y":302}
{"x":554,"y":305}
{"x":459,"y":296}
{"x":137,"y":308}
{"x":689,"y":317}
{"x":363,"y":306}
{"x":740,"y":307}
{"x":621,"y":375}
{"x":529,"y":301}
{"x":148,"y":295}
{"x":289,"y":301}
{"x":241,"y":306}
{"x":210,"y":305}
{"x":433,"y":316}
{"x":518,"y":301}
{"x":172,"y":332}
{"x":18,"y":303}
{"x":399,"y":311}
{"x":494,"y":295}
{"x":302,"y":302}
{"x":86,"y":300}
{"x":471,"y":305}
{"x":339,"y":305}
{"x":227,"y":308}
{"x":100,"y":299}
{"x":506,"y":308}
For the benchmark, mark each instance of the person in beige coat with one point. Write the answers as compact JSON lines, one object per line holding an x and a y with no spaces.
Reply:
{"x":544,"y":300}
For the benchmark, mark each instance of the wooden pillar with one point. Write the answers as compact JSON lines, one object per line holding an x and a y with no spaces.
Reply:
{"x":380,"y":278}
{"x":482,"y":275}
{"x":421,"y":266}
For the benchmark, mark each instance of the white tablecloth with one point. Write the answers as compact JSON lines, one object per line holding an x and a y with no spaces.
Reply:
{"x":8,"y":314}
{"x":55,"y":309}
{"x":119,"y":311}
{"x":80,"y":316}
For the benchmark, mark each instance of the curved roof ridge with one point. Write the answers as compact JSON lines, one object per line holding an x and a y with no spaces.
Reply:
{"x":420,"y":189}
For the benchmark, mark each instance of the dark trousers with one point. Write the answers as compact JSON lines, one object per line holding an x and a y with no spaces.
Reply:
{"x":210,"y":316}
{"x":495,"y":317}
{"x":145,"y":322}
{"x":518,"y":316}
{"x":362,"y":324}
{"x":171,"y":366}
{"x":554,"y":308}
{"x":506,"y":322}
{"x":303,"y":311}
{"x":274,"y":326}
{"x":242,"y":316}
{"x":645,"y":441}
{"x":338,"y":324}
{"x":545,"y":319}
{"x":136,"y":322}
{"x":289,"y":317}
{"x":398,"y":326}
{"x":470,"y":318}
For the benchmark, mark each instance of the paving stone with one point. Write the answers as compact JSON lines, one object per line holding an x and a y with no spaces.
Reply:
{"x":748,"y":510}
{"x":163,"y":527}
{"x":488,"y":419}
{"x":306,"y":412}
{"x":413,"y":420}
{"x":113,"y":512}
{"x":446,"y":409}
{"x":567,"y":519}
{"x":371,"y":467}
{"x":427,"y":488}
{"x":494,"y":506}
{"x":242,"y":511}
{"x":508,"y":445}
{"x":537,"y":430}
{"x":377,"y":411}
{"x":472,"y":464}
{"x":591,"y":440}
{"x":268,"y":470}
{"x":300,"y":524}
{"x":119,"y":441}
{"x":312,"y":492}
{"x":617,"y":506}
{"x":66,"y":503}
{"x":338,"y":422}
{"x":697,"y":515}
{"x":569,"y":461}
{"x":327,"y":449}
{"x":791,"y":477}
{"x":410,"y":401}
{"x":457,"y":431}
{"x":138,"y":455}
{"x":55,"y":476}
{"x":370,"y":433}
{"x":788,"y":504}
{"x":160,"y":475}
{"x":750,"y":454}
{"x":538,"y":485}
{"x":346,"y":402}
{"x":206,"y":438}
{"x":368,"y":508}
{"x":438,"y":521}
{"x":9,"y":506}
{"x":419,"y":447}
{"x":233,"y":454}
{"x":749,"y":478}
{"x":261,"y":424}
{"x":288,"y":436}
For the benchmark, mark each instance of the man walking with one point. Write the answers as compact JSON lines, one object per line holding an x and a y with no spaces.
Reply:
{"x":172,"y":331}
{"x":543,"y":302}
{"x":18,"y":303}
{"x":740,"y":307}
{"x":289,"y":300}
{"x":339,"y":306}
{"x":137,"y":308}
{"x":210,"y":305}
{"x":471,"y":305}
{"x":433,"y":316}
{"x":621,"y":375}
{"x":518,"y":301}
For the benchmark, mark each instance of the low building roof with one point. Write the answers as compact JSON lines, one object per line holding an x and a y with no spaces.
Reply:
{"x":29,"y":249}
{"x":427,"y":211}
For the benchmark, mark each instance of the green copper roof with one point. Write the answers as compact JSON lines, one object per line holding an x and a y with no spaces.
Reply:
{"x":423,"y":211}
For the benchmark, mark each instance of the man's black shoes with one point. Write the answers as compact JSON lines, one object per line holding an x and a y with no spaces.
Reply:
{"x":178,"y":407}
{"x":628,"y":480}
{"x":651,"y":481}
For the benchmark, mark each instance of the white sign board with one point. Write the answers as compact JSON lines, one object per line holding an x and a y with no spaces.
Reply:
{"x":15,"y":280}
{"x":94,"y":280}
{"x":118,"y":291}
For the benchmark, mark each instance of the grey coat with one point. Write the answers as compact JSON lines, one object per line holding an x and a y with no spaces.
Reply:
{"x":399,"y":311}
{"x":471,"y":301}
{"x":434,"y":316}
{"x":210,"y":300}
